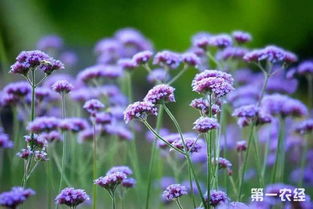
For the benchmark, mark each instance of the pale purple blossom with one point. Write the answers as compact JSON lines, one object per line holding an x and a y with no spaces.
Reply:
{"x":5,"y":141}
{"x":305,"y":68}
{"x":191,"y":59}
{"x":71,"y":197}
{"x":174,"y":191}
{"x":160,"y":93}
{"x":122,"y":168}
{"x":205,"y":124}
{"x":158,"y":75}
{"x":16,"y":196}
{"x":50,"y":42}
{"x":142,"y":57}
{"x":129,"y":182}
{"x":217,"y":197}
{"x":220,"y":40}
{"x":305,"y":127}
{"x":127,"y":64}
{"x":43,"y":124}
{"x":93,"y":106}
{"x":111,"y":181}
{"x":241,"y":37}
{"x":62,"y":87}
{"x":167,"y":59}
{"x":139,"y":110}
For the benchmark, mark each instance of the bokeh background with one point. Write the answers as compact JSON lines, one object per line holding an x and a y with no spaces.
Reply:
{"x":169,"y":24}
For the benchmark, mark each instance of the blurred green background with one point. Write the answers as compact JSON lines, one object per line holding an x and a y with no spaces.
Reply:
{"x":168,"y":23}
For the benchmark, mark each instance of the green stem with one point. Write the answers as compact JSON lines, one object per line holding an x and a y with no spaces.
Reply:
{"x":310,"y":90}
{"x":94,"y":167}
{"x":153,"y":155}
{"x":178,"y":75}
{"x":302,"y":163}
{"x":233,"y":185}
{"x":179,"y":204}
{"x":279,"y":159}
{"x":245,"y":163}
{"x":258,"y":159}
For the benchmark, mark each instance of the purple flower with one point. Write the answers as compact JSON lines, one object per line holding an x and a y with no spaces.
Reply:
{"x":50,"y":42}
{"x":223,"y":164}
{"x":231,"y":53}
{"x":220,"y":41}
{"x":201,"y":40}
{"x":93,"y":106}
{"x":62,"y":87}
{"x":111,"y":181}
{"x":15,"y":197}
{"x":5,"y":142}
{"x":127,"y":64}
{"x":158,"y":75}
{"x":44,"y":93}
{"x":244,"y":95}
{"x":142,"y":57}
{"x":174,"y":191}
{"x":192,"y":144}
{"x":129,"y":182}
{"x":241,"y":37}
{"x":51,"y":136}
{"x":73,"y":124}
{"x":213,"y":81}
{"x":272,"y":54}
{"x":25,"y":153}
{"x":247,"y":111}
{"x":71,"y":197}
{"x":205,"y":124}
{"x":241,"y":146}
{"x":165,"y":181}
{"x":305,"y":127}
{"x":18,"y":89}
{"x":40,"y":155}
{"x":109,"y":46}
{"x":191,"y":59}
{"x":277,"y":104}
{"x":43,"y":124}
{"x":279,"y":83}
{"x":51,"y":65}
{"x":217,"y":197}
{"x":122,"y":169}
{"x":69,"y":58}
{"x":85,"y":135}
{"x":35,"y":140}
{"x":103,"y":118}
{"x":167,"y":59}
{"x":305,"y":68}
{"x":160,"y":93}
{"x":99,"y":72}
{"x":139,"y":110}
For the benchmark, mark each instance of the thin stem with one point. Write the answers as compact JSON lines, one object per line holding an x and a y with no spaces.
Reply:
{"x":310,"y":90}
{"x":94,"y":167}
{"x":210,"y":56}
{"x":179,"y":204}
{"x":245,"y":163}
{"x":153,"y":155}
{"x":258,"y":160}
{"x":178,"y":75}
{"x":233,"y":185}
{"x":302,"y":163}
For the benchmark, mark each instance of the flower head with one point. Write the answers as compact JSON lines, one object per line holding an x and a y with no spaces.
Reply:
{"x":167,"y":59}
{"x":62,"y":87}
{"x":142,"y":57}
{"x":5,"y":142}
{"x":217,"y":197}
{"x":223,"y":164}
{"x":241,"y":37}
{"x":129,"y":182}
{"x":43,"y":124}
{"x":160,"y":93}
{"x":192,"y":144}
{"x":205,"y":124}
{"x":191,"y":59}
{"x":111,"y":181}
{"x":35,"y":140}
{"x":18,"y":89}
{"x":123,"y":169}
{"x":220,"y":41}
{"x":73,"y":124}
{"x":139,"y":110}
{"x":158,"y":75}
{"x":305,"y":68}
{"x":241,"y":146}
{"x":93,"y":106}
{"x":71,"y":197}
{"x":15,"y":197}
{"x":231,"y":53}
{"x":25,"y":153}
{"x":305,"y":127}
{"x":212,"y":81}
{"x":174,"y":191}
{"x":127,"y":64}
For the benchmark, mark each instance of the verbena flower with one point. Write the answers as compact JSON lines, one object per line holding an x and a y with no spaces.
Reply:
{"x":231,"y":53}
{"x":278,"y":104}
{"x":279,"y":83}
{"x":123,"y":169}
{"x":25,"y":153}
{"x":16,"y":196}
{"x":241,"y":37}
{"x":159,"y":94}
{"x":50,"y":42}
{"x":129,"y":182}
{"x":158,"y":75}
{"x":212,"y":81}
{"x":69,"y":58}
{"x":127,"y":64}
{"x":220,"y":40}
{"x":46,"y":94}
{"x":139,"y":110}
{"x":272,"y":54}
{"x":142,"y":57}
{"x":43,"y":124}
{"x":35,"y":140}
{"x":223,"y":164}
{"x":174,"y":191}
{"x":192,"y":144}
{"x":217,"y":197}
{"x":51,"y":136}
{"x":99,"y":72}
{"x":73,"y":124}
{"x":104,"y":118}
{"x":93,"y":106}
{"x":241,"y":146}
{"x":167,"y":59}
{"x":111,"y":181}
{"x":191,"y":59}
{"x":62,"y":87}
{"x":71,"y":197}
{"x":305,"y":68}
{"x":40,"y":155}
{"x":5,"y":141}
{"x":18,"y":89}
{"x":305,"y":127}
{"x":205,"y":124}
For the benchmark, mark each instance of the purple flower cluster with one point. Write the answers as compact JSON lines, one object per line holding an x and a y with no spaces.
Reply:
{"x":98,"y":73}
{"x":305,"y":68}
{"x":62,"y":87}
{"x":73,"y":124}
{"x":111,"y":181}
{"x":205,"y":124}
{"x":223,"y":164}
{"x":71,"y":197}
{"x":191,"y":59}
{"x":192,"y":144}
{"x":167,"y":59}
{"x":158,"y":75}
{"x":43,"y":124}
{"x":5,"y":141}
{"x":28,"y":60}
{"x":217,"y":197}
{"x":305,"y":127}
{"x":50,"y":42}
{"x":241,"y":37}
{"x":159,"y":94}
{"x":174,"y":191}
{"x":272,"y":54}
{"x":231,"y":53}
{"x":139,"y":110}
{"x":213,"y":82}
{"x":93,"y":106}
{"x":15,"y":197}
